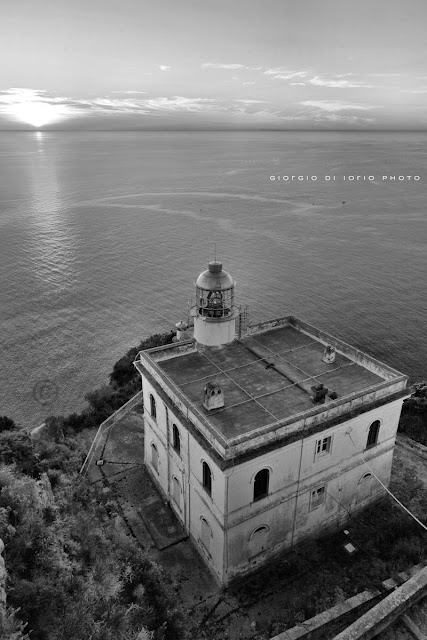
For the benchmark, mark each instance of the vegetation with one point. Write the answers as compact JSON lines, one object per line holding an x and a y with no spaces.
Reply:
{"x":124,"y":372}
{"x":413,"y":420}
{"x":73,"y":571}
{"x":7,"y":424}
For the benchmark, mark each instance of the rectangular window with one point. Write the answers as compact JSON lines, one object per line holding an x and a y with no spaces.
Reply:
{"x":323,"y":446}
{"x":317,"y":497}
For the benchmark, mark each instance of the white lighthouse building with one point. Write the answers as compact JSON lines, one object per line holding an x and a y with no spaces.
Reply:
{"x":261,"y":441}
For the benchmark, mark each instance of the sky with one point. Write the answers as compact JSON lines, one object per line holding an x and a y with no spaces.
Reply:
{"x":199,"y":64}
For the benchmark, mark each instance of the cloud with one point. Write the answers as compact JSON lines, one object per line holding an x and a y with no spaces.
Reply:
{"x":179,"y":103}
{"x":111,"y":105}
{"x":316,"y":81}
{"x":383,"y":75}
{"x":129,"y":92}
{"x":228,"y":66}
{"x":354,"y":74}
{"x":267,"y":115}
{"x":252,"y":101}
{"x":298,"y":84}
{"x":38,"y":107}
{"x":248,"y":83}
{"x":218,"y":65}
{"x":338,"y":84}
{"x":334,"y":106}
{"x":164,"y":67}
{"x":285,"y":74}
{"x":342,"y":118}
{"x":121,"y":102}
{"x":335,"y":81}
{"x":20,"y":93}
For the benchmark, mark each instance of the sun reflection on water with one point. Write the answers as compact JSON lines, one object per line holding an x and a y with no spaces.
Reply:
{"x":52,"y":242}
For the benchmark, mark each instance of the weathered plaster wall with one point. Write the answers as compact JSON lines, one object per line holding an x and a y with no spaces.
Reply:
{"x":245,"y":552}
{"x":194,"y":502}
{"x":155,"y":434}
{"x":295,"y":471}
{"x":178,"y":469}
{"x":298,"y":460}
{"x":284,"y":467}
{"x":197,"y":456}
{"x":203,"y":508}
{"x":210,"y":507}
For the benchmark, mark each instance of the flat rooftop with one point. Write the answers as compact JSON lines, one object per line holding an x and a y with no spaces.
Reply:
{"x":266,"y":377}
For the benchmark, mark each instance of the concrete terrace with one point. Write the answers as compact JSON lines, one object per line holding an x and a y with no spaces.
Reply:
{"x":267,"y":376}
{"x":143,"y":511}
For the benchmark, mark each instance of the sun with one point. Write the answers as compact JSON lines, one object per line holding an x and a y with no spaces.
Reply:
{"x":37,"y":113}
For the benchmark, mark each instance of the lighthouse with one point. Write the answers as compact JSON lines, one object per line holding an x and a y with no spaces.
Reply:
{"x":214,"y":313}
{"x":223,"y":417}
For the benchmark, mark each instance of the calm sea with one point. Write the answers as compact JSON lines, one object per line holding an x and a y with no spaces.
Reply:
{"x":103,"y":234}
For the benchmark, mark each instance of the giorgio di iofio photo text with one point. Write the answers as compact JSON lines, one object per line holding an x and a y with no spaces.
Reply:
{"x":346,"y":178}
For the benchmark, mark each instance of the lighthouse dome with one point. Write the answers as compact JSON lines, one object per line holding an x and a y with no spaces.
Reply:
{"x":215,"y":278}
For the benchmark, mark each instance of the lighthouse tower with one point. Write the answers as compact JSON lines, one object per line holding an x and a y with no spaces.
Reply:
{"x":214,"y":312}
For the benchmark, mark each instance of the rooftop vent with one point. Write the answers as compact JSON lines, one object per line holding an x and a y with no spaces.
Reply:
{"x":331,"y":396}
{"x":329,"y":355}
{"x":319,"y":393}
{"x":213,"y":396}
{"x":181,"y":328}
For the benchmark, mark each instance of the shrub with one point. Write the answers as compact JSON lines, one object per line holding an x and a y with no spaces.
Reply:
{"x":124,"y":371}
{"x":17,"y":448}
{"x":7,"y":424}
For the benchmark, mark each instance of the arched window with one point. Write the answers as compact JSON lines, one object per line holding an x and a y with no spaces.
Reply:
{"x":176,"y":495}
{"x":206,"y":533}
{"x":374,"y":430}
{"x":154,"y":457}
{"x":153,"y":409}
{"x":258,"y":541}
{"x":176,"y":439}
{"x":207,"y":478}
{"x":365,"y":486}
{"x":261,"y":484}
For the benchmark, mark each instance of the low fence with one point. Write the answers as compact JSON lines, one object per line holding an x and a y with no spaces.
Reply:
{"x":373,"y":610}
{"x":105,"y":426}
{"x":388,"y":610}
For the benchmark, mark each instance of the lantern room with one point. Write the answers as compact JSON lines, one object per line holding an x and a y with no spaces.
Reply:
{"x":214,"y":312}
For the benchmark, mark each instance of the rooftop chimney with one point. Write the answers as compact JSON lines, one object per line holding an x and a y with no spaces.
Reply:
{"x":331,"y":396}
{"x":213,"y":396}
{"x":319,"y":393}
{"x":329,"y":355}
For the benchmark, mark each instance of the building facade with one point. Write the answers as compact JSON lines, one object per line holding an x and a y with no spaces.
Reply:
{"x":262,"y":441}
